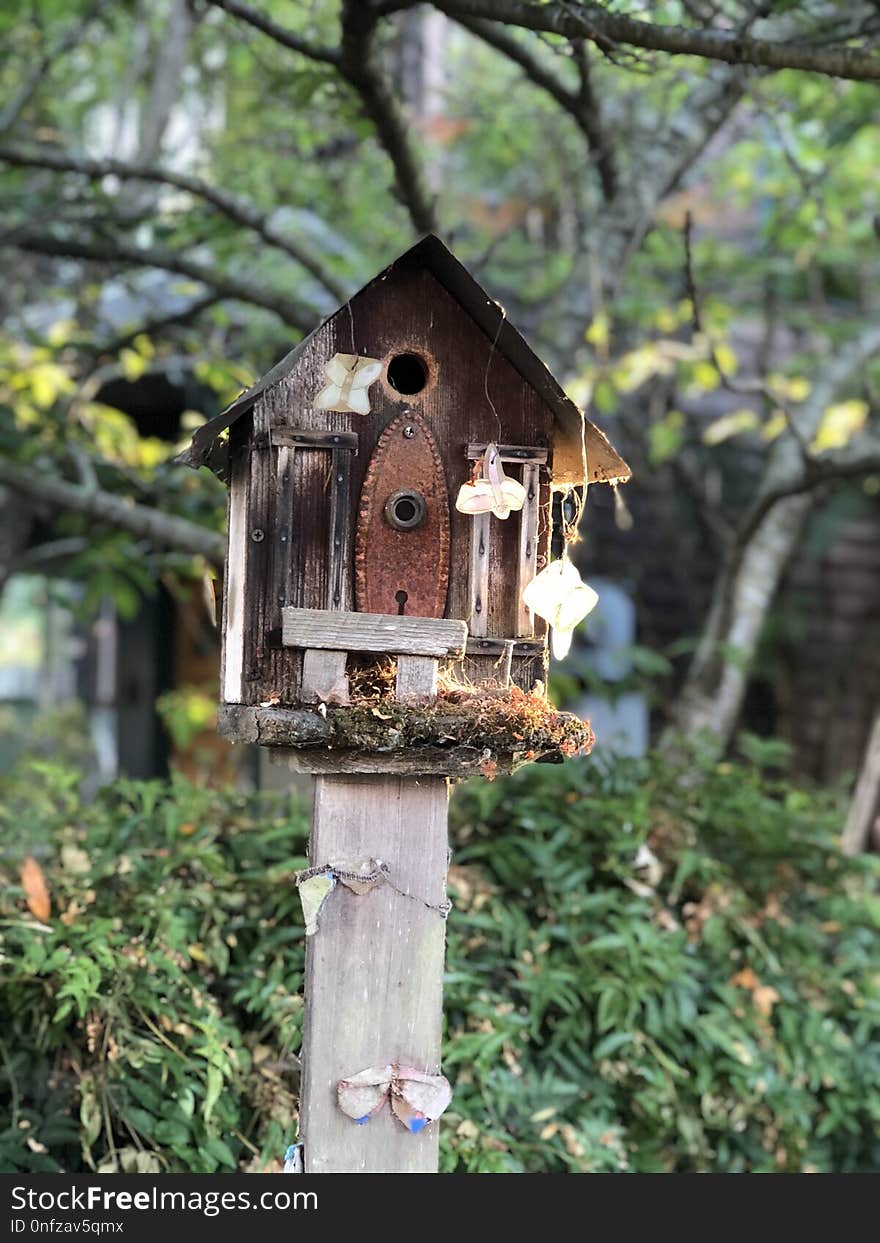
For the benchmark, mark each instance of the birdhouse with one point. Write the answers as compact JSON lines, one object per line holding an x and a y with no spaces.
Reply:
{"x":388,"y":580}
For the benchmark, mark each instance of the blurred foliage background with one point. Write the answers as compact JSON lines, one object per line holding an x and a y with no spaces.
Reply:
{"x":650,"y":968}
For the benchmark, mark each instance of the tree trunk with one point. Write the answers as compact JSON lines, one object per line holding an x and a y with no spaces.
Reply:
{"x":172,"y":57}
{"x":860,"y":830}
{"x":15,"y":530}
{"x":713,"y":692}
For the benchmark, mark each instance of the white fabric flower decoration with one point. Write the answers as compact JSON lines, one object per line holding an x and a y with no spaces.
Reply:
{"x":563,"y":599}
{"x":348,"y":377}
{"x":493,"y":491}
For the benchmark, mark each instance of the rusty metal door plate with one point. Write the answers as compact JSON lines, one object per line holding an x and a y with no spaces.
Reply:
{"x":402,"y":541}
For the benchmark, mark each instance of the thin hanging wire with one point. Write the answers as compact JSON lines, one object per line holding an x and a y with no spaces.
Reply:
{"x":489,"y":400}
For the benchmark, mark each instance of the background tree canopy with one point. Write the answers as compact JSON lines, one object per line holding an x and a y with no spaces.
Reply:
{"x":676,"y":202}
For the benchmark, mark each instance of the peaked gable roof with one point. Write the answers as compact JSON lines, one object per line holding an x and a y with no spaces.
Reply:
{"x":603,"y":462}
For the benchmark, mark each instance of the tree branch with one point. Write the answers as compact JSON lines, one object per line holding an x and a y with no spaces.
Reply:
{"x":581,"y":105}
{"x":281,"y":34}
{"x":29,"y":87}
{"x":359,"y":65}
{"x":591,"y":122}
{"x":172,"y":54}
{"x":743,"y":388}
{"x":851,"y":463}
{"x":711,"y":104}
{"x":238,"y":210}
{"x":363,"y":71}
{"x":152,"y":327}
{"x":165,"y":530}
{"x":606,"y":30}
{"x":295,"y":314}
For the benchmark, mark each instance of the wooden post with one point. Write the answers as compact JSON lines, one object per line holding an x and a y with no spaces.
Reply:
{"x":374,"y":968}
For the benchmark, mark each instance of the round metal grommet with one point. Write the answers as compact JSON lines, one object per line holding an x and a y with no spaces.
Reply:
{"x":406,"y":510}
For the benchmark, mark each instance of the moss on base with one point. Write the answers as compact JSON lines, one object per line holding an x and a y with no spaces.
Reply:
{"x":486,"y":730}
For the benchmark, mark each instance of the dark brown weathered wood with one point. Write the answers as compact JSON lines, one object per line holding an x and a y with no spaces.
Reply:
{"x":373,"y":632}
{"x":510,"y":453}
{"x":498,"y":647}
{"x":308,"y":438}
{"x":259,"y":597}
{"x":284,"y":563}
{"x":339,"y":539}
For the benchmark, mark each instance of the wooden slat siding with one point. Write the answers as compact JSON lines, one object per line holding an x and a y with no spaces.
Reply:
{"x":373,"y":632}
{"x":298,"y":571}
{"x":517,"y":454}
{"x":503,"y":562}
{"x":525,"y":671}
{"x":473,"y":670}
{"x":528,"y":547}
{"x":339,"y":542}
{"x":323,"y":677}
{"x":478,"y":608}
{"x":234,"y":582}
{"x":259,"y":601}
{"x":505,"y":613}
{"x":416,"y":677}
{"x":374,"y":968}
{"x":284,"y":560}
{"x":498,"y":647}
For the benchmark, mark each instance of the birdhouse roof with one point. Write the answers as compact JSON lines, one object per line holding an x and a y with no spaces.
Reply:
{"x":604,"y":465}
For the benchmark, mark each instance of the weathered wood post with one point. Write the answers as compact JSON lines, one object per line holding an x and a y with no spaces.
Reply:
{"x":374,"y":973}
{"x":387,"y":595}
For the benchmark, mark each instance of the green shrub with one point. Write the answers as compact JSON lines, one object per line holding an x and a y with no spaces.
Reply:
{"x":649,"y":969}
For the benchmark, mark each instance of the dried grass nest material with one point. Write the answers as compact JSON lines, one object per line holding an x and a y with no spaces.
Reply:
{"x":495,"y":720}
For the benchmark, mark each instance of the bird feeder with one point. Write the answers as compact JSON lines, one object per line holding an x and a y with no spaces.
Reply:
{"x":389,"y":550}
{"x":345,"y":464}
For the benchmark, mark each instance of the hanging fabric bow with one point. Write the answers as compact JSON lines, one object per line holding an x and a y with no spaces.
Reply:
{"x":348,"y":377}
{"x":563,"y":599}
{"x":492,"y":491}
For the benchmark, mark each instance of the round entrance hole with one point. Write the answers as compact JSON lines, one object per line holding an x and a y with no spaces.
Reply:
{"x":407,"y":374}
{"x":406,"y":510}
